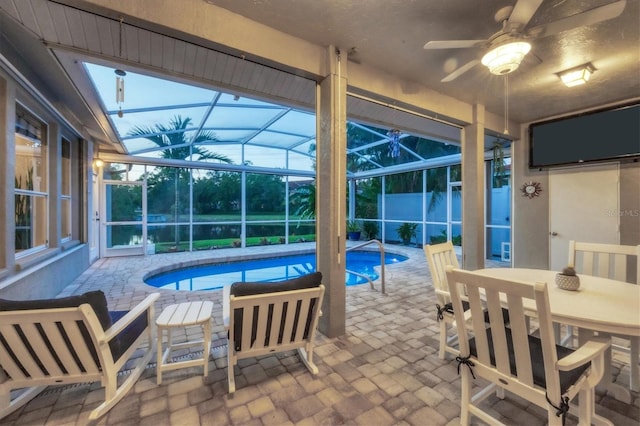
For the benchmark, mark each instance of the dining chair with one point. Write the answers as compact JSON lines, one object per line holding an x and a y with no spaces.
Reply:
{"x":615,"y":262}
{"x":438,"y":257}
{"x":510,"y":358}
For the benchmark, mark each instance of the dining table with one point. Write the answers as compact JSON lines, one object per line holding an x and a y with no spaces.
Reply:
{"x":600,"y":305}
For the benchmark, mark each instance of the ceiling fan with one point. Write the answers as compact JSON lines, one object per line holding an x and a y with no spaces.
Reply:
{"x":507,"y":48}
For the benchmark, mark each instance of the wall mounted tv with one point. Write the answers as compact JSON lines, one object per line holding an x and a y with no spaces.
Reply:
{"x":607,"y":134}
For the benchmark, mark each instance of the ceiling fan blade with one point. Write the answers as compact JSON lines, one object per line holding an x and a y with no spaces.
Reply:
{"x":457,"y":73}
{"x":593,"y":16}
{"x":453,"y":44}
{"x":522,"y":13}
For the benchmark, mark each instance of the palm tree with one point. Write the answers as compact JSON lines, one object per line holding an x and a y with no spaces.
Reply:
{"x":178,"y":145}
{"x":175,"y":135}
{"x":303,"y":199}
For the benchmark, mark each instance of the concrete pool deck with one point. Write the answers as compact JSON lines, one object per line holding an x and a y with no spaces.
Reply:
{"x":384,"y":371}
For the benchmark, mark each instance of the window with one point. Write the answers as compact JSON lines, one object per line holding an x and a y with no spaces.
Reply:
{"x":65,"y":192}
{"x":31,"y":194}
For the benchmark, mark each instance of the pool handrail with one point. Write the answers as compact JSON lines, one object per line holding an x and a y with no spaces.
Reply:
{"x":366,"y":243}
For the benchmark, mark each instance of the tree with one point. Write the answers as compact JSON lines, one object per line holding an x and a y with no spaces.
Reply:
{"x":303,"y":201}
{"x":265,"y":193}
{"x":178,"y":144}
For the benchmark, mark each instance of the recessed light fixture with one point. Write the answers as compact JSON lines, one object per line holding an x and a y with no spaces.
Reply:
{"x":577,"y":75}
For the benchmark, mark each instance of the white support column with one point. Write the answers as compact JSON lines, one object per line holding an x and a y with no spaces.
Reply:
{"x":331,"y":192}
{"x":473,"y":192}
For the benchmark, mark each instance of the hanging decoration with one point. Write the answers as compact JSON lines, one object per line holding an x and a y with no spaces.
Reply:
{"x":394,"y":138}
{"x":120,"y":90}
{"x":394,"y":143}
{"x":120,"y":76}
{"x":499,"y":171}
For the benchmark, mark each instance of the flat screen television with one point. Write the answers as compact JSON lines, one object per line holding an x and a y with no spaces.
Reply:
{"x":606,"y":134}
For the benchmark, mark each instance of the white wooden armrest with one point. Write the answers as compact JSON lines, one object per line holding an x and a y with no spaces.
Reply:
{"x":442,"y":293}
{"x":134,"y":313}
{"x":593,"y":348}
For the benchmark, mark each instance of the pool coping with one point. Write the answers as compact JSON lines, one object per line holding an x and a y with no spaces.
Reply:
{"x":149,"y":265}
{"x":248,"y":256}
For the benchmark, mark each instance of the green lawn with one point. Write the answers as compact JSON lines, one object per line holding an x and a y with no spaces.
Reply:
{"x":231,"y":242}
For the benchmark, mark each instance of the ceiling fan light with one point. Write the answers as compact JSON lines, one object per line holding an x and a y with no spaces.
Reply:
{"x":506,"y":58}
{"x":576,"y":76}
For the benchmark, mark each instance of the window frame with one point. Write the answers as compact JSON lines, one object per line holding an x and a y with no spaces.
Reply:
{"x":66,"y":191}
{"x":26,"y":128}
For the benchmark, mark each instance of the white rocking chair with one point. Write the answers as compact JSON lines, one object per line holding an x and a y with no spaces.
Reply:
{"x":70,"y":340}
{"x":273,"y":317}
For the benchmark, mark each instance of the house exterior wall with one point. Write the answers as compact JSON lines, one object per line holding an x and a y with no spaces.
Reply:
{"x":46,"y":272}
{"x":48,"y":278}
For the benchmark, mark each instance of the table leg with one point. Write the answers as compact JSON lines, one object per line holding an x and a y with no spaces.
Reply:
{"x":634,"y":358}
{"x":619,"y":392}
{"x":207,"y":346}
{"x":159,"y":357}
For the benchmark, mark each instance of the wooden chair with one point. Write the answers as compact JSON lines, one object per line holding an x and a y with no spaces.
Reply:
{"x":615,"y":262}
{"x":438,"y":257}
{"x":510,"y":358}
{"x":71,"y":340}
{"x":273,"y":317}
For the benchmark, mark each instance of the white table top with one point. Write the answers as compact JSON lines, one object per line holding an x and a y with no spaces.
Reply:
{"x":600,"y":304}
{"x":183,"y":314}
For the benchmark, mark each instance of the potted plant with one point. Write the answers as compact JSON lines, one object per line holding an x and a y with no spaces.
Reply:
{"x":407,"y":231}
{"x":370,"y":230}
{"x":353,"y":230}
{"x":567,"y":279}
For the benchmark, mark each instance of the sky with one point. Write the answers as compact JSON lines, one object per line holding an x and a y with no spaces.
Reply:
{"x":149,"y":101}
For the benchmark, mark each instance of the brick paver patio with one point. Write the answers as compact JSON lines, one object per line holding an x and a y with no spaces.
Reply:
{"x":384,"y":371}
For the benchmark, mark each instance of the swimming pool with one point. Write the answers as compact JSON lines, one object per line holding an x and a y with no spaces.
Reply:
{"x":215,"y":276}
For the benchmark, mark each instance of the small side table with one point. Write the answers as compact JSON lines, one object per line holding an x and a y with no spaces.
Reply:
{"x":184,"y":315}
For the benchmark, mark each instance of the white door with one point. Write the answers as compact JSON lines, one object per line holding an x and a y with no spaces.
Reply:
{"x":94,"y":228}
{"x":123,"y":229}
{"x":583,"y":206}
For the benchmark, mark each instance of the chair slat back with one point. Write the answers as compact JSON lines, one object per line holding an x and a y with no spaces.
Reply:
{"x":49,"y":343}
{"x":494,"y":294}
{"x":276,"y":321}
{"x":438,"y":257}
{"x":606,"y":260}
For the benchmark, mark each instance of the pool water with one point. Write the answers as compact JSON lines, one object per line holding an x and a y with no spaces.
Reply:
{"x":216,"y":276}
